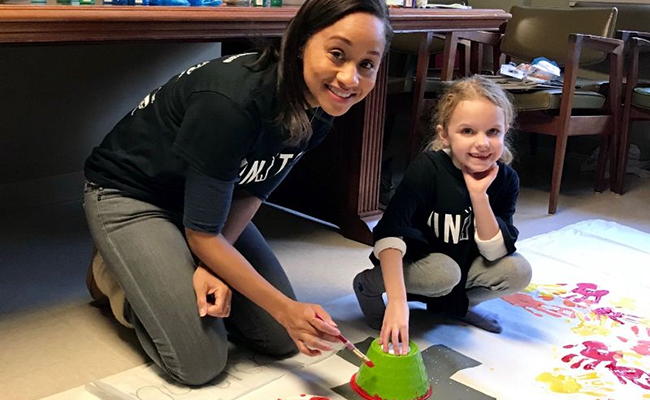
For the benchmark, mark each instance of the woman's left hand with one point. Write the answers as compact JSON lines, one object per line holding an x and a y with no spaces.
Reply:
{"x":479,"y":182}
{"x":205,"y":283}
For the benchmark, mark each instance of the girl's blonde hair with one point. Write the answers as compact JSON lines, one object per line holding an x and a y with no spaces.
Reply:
{"x":473,"y":88}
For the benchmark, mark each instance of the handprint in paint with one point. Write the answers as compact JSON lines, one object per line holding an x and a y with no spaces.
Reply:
{"x":538,"y":308}
{"x":587,"y":291}
{"x":593,"y":350}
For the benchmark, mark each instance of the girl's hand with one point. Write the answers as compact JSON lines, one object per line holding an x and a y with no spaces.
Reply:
{"x":479,"y":182}
{"x":205,"y":283}
{"x":310,"y":333}
{"x":395,"y":328}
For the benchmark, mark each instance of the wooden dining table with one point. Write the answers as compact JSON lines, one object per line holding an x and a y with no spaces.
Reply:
{"x":339,"y":181}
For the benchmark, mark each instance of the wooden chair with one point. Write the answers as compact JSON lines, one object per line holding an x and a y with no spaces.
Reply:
{"x":571,"y":37}
{"x":417,"y":79}
{"x":412,"y":78}
{"x":636,"y":103}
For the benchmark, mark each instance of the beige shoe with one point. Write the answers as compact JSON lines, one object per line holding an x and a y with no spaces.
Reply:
{"x":99,"y":298}
{"x":104,"y":288}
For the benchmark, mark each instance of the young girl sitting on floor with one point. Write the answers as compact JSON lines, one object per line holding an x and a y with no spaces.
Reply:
{"x":447,"y":237}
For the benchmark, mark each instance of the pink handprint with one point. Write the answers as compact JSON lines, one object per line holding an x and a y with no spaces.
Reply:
{"x":587,"y":290}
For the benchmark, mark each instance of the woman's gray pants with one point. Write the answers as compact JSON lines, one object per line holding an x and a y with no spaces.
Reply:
{"x":145,"y":250}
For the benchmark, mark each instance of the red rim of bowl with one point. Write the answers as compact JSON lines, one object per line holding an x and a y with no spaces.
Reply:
{"x":357,"y":389}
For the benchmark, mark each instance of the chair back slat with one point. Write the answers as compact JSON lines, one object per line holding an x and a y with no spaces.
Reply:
{"x":631,"y":17}
{"x":544,"y":32}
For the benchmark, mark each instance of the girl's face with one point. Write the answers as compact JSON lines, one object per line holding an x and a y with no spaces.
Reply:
{"x":475,"y":134}
{"x":340,"y":62}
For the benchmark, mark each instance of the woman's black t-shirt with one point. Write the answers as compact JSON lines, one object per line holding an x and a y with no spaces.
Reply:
{"x":216,"y":117}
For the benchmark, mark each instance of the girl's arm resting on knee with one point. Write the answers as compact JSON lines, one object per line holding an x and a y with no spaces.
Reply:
{"x":395,"y":328}
{"x":491,"y":247}
{"x":495,"y":233}
{"x":488,"y":236}
{"x":486,"y":223}
{"x":477,"y":185}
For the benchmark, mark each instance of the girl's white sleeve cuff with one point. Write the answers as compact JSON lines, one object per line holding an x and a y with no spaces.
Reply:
{"x":491,"y":249}
{"x":389,"y":243}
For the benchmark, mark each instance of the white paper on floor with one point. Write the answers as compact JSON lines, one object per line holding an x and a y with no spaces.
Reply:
{"x":581,"y":330}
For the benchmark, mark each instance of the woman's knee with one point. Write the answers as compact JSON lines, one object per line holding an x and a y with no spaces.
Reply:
{"x":191,"y":356}
{"x":282,"y":348}
{"x":278,"y":345}
{"x":198,"y":371}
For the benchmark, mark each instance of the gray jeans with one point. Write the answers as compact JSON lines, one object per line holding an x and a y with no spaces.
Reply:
{"x":437,"y":274}
{"x":145,"y":250}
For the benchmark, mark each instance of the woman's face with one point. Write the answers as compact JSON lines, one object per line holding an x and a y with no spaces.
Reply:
{"x":340,"y":62}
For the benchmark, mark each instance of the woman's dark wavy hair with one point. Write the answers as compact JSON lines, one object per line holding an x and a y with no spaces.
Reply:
{"x":313,"y":16}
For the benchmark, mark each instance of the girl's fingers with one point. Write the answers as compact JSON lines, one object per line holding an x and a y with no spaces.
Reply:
{"x":395,"y":339}
{"x":405,"y":341}
{"x":385,"y":340}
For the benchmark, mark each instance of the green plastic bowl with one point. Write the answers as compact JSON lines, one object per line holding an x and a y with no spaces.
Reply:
{"x":393,"y":377}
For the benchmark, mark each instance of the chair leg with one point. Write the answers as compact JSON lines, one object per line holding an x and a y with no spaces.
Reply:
{"x":558,"y":166}
{"x":623,"y":152}
{"x":603,"y":157}
{"x":415,"y":139}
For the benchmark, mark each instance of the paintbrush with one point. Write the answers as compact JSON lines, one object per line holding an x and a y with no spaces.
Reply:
{"x":352,"y":347}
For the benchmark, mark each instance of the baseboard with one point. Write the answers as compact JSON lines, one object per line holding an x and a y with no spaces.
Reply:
{"x":43,"y":191}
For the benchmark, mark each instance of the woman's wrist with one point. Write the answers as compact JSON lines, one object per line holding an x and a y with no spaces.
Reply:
{"x":280,"y":308}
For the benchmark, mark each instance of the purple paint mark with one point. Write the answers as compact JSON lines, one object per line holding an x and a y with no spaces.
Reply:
{"x":634,"y":375}
{"x":616,"y":315}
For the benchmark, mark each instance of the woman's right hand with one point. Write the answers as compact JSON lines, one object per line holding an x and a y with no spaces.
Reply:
{"x":205,"y":283}
{"x":395,"y":328}
{"x":311,"y":334}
